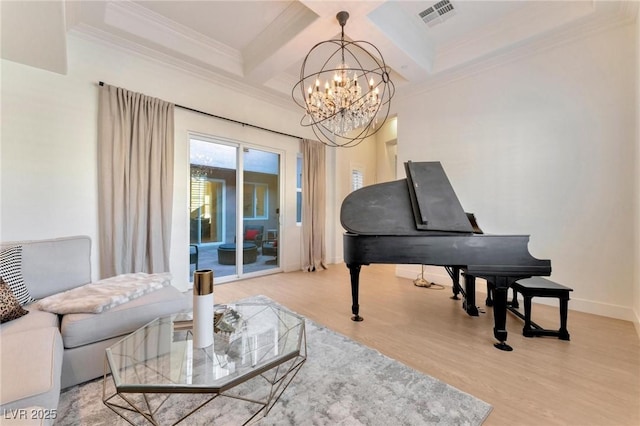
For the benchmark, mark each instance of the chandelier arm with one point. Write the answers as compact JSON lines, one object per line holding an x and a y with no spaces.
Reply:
{"x":303,"y":78}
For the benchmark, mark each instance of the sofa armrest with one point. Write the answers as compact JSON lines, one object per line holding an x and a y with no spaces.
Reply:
{"x":31,"y":370}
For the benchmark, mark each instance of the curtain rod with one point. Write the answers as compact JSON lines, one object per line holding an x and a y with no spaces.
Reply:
{"x":101,"y":83}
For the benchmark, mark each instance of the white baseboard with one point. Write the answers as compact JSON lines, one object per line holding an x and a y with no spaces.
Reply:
{"x":603,"y":309}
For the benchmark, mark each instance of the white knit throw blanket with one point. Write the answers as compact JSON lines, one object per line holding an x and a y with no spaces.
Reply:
{"x":104,"y":294}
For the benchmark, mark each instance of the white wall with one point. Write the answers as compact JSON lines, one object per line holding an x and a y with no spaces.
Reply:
{"x":48,"y":155}
{"x":341,"y":160}
{"x":386,"y":151}
{"x":49,"y":133}
{"x":545,"y":146}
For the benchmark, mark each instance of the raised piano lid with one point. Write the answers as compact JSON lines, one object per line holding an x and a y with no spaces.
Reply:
{"x":434,"y":203}
{"x":423,"y":203}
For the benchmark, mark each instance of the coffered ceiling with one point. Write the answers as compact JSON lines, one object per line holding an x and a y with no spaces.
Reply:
{"x":262,"y":43}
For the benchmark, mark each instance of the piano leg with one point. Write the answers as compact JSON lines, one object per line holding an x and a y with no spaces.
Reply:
{"x":500,"y":288}
{"x":469,"y":303}
{"x":489,"y":300}
{"x":354,"y":270}
{"x":469,"y":291}
{"x":454,"y":273}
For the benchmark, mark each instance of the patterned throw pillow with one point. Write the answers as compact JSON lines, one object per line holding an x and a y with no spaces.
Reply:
{"x":10,"y":309}
{"x":11,"y":273}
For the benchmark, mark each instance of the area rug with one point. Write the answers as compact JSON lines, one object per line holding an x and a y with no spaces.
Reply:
{"x":341,"y":383}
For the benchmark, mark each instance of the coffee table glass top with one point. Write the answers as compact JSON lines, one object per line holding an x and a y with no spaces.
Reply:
{"x":249,"y":340}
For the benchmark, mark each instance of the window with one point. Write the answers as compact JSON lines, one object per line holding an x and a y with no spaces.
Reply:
{"x":256,"y":200}
{"x":357,"y":179}
{"x":299,"y":189}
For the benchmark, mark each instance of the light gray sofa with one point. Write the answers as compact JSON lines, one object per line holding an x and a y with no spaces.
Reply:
{"x":42,"y":353}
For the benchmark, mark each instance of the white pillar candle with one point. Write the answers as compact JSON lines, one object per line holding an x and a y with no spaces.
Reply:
{"x":203,"y":308}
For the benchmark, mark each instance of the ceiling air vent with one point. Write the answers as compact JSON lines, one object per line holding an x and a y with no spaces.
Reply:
{"x":438,"y":13}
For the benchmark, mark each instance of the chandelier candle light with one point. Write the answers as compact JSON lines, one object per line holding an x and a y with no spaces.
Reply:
{"x":345,"y":110}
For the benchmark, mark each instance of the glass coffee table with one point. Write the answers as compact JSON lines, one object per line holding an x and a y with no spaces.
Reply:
{"x":257,"y":351}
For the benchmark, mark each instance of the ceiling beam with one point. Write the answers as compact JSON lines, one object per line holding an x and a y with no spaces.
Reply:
{"x":270,"y":52}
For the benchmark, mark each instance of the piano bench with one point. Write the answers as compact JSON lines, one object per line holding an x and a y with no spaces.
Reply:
{"x":540,"y":287}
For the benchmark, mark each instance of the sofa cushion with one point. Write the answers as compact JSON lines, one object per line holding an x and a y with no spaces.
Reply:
{"x":54,"y":265}
{"x":10,"y":308}
{"x":35,"y":319}
{"x":82,"y":329}
{"x":11,"y":273}
{"x":31,"y":367}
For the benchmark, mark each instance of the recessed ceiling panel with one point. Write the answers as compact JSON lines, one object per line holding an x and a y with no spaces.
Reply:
{"x":234,"y":23}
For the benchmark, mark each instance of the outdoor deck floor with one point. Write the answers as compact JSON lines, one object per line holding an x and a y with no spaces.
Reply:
{"x":208,"y":259}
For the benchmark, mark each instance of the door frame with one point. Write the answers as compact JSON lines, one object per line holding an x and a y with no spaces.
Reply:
{"x":239,"y":146}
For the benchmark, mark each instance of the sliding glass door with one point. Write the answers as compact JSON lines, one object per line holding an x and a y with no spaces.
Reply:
{"x":233,"y":208}
{"x":261,"y":204}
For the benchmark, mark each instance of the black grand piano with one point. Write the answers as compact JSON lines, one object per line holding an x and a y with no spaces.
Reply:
{"x":419,"y":220}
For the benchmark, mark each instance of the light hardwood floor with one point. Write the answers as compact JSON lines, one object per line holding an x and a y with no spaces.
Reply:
{"x":592,"y":380}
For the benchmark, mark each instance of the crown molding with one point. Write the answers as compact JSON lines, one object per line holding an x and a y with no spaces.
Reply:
{"x":109,"y":40}
{"x":134,"y":19}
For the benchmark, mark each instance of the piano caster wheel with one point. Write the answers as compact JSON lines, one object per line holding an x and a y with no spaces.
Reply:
{"x":503,"y":346}
{"x":455,"y":297}
{"x":356,"y":318}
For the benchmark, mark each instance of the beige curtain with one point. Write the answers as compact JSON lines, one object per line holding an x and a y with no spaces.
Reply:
{"x":135,"y":182}
{"x":313,"y":205}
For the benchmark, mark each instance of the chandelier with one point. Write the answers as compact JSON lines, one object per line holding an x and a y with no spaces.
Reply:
{"x":344,"y":99}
